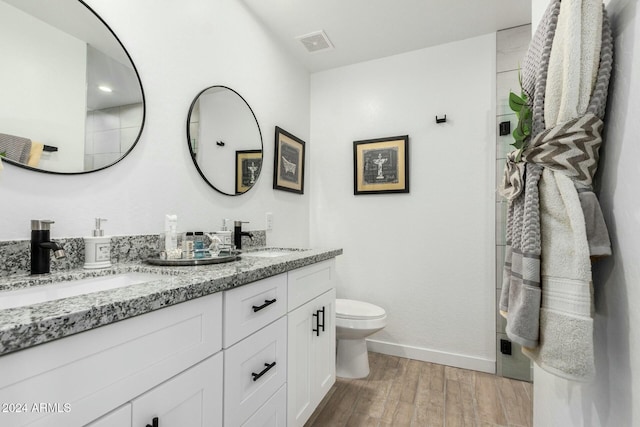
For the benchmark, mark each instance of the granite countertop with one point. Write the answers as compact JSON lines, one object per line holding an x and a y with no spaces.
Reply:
{"x":26,"y":326}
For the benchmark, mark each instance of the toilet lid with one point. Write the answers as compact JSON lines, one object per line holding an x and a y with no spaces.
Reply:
{"x":351,"y":309}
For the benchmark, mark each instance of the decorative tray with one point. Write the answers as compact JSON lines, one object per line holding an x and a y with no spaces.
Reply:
{"x":192,"y":261}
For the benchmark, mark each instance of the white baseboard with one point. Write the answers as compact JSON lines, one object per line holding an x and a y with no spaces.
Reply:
{"x":433,"y":356}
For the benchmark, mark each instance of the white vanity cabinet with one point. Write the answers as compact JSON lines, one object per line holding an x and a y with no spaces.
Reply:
{"x":257,"y":355}
{"x":76,"y":380}
{"x":311,"y":339}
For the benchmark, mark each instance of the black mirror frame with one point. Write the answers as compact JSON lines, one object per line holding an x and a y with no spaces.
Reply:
{"x":144,"y":111}
{"x":192,"y":155}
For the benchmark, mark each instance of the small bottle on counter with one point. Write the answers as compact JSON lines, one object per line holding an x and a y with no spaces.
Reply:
{"x":198,"y":245}
{"x":188,"y":245}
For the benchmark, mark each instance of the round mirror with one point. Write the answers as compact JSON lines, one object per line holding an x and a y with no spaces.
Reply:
{"x":225,"y":140}
{"x":72,"y":101}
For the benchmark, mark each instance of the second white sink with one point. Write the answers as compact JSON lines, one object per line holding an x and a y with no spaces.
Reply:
{"x":71,"y":288}
{"x":269,"y":253}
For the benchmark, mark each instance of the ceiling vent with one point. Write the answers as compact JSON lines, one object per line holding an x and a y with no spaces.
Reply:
{"x":316,"y":41}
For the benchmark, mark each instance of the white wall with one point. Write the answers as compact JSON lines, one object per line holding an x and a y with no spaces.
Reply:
{"x":179,"y":49}
{"x":427,"y":257}
{"x":36,"y":66}
{"x":614,"y":397}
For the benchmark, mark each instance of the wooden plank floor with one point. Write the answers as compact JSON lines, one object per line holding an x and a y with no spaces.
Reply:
{"x":403,"y":392}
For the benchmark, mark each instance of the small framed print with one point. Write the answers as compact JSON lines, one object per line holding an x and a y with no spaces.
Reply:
{"x":381,"y":165}
{"x":288,"y":165}
{"x":248,"y":166}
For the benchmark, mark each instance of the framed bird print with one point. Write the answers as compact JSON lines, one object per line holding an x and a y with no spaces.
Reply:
{"x":288,"y":166}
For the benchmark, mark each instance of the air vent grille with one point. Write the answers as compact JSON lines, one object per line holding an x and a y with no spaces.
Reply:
{"x":316,"y":41}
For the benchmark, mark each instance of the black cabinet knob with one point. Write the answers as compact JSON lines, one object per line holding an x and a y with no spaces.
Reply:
{"x":155,"y":423}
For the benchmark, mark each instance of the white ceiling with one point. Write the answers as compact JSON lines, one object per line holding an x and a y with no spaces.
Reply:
{"x":362,"y":30}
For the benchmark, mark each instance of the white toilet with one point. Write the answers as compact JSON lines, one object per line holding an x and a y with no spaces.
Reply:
{"x":355,"y":320}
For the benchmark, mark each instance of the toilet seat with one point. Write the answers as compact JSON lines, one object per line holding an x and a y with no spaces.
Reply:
{"x":358,"y":310}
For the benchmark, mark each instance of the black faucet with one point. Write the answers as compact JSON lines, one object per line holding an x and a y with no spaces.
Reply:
{"x":41,"y":246}
{"x":238,"y":233}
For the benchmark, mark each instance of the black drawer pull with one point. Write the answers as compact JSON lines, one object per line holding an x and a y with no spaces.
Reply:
{"x":321,"y":325}
{"x":318,"y":324}
{"x":264,"y":371}
{"x":267,"y":303}
{"x":155,"y":423}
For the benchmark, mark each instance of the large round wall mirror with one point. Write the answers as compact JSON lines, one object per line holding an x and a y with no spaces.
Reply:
{"x":72,"y":100}
{"x":225,"y":140}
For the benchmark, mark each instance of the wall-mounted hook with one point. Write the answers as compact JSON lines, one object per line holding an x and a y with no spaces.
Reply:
{"x":220,"y":143}
{"x":443,"y":120}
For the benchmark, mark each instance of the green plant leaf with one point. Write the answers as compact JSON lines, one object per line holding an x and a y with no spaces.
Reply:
{"x":517,"y":133}
{"x":515,"y":102}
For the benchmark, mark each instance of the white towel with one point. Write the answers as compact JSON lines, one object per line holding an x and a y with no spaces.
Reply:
{"x":566,"y":325}
{"x":574,"y":60}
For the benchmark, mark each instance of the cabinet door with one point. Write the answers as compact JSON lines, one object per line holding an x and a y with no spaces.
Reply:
{"x":299,"y":400}
{"x":120,"y":417}
{"x":190,"y":399}
{"x":311,"y":356}
{"x":271,"y":414}
{"x":323,"y":351}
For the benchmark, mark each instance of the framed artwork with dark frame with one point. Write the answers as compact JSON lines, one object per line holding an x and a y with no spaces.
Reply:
{"x":381,"y":165}
{"x":288,"y":162}
{"x":248,"y":166}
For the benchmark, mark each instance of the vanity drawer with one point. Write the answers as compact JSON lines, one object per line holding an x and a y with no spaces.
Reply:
{"x":254,"y":369}
{"x":306,"y":283}
{"x":95,"y":371}
{"x":253,"y":306}
{"x":271,"y":414}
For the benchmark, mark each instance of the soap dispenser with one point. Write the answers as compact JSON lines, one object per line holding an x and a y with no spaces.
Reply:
{"x":224,"y":234}
{"x":97,"y":248}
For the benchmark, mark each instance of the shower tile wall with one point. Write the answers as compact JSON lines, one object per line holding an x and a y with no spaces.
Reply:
{"x":511,"y":46}
{"x":110,"y":132}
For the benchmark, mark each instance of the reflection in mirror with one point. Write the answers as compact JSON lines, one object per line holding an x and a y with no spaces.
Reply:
{"x":225,"y":140}
{"x":72,"y":101}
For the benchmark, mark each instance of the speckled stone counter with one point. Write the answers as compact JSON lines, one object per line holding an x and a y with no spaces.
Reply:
{"x":26,"y":326}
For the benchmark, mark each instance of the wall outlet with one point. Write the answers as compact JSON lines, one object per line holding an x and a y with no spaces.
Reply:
{"x":269,"y":221}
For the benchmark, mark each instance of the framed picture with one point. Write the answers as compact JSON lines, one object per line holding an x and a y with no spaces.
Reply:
{"x":381,"y":165}
{"x":288,"y":165}
{"x":248,"y":165}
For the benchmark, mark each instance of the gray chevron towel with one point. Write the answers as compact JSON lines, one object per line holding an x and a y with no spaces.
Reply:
{"x":571,"y":148}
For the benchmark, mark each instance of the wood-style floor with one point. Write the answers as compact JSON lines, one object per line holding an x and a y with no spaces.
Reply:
{"x":404,"y":392}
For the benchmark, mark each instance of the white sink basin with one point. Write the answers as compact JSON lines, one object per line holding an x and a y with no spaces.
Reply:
{"x":71,"y":288}
{"x":271,"y":253}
